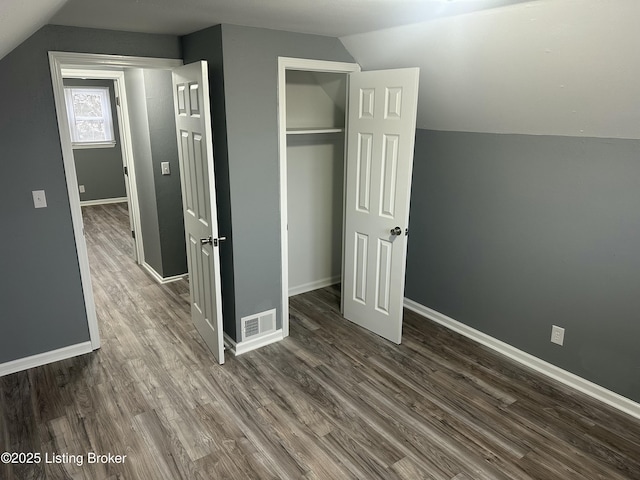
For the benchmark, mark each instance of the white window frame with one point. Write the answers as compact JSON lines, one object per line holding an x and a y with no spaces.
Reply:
{"x":105,"y":99}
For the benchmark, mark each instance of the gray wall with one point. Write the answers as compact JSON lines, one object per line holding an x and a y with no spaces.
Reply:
{"x":164,"y":148}
{"x":513,"y":233}
{"x":251,"y":101}
{"x":141,"y":146}
{"x":207,"y":45}
{"x":41,"y":301}
{"x":100,"y":169}
{"x":153,"y":133}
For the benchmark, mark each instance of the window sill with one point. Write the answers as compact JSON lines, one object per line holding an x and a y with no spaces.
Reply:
{"x":82,"y":146}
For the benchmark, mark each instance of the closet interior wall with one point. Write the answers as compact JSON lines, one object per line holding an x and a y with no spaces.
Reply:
{"x":315,"y":177}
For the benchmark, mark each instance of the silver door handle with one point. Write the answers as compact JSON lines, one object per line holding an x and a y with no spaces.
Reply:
{"x":396,"y":231}
{"x":218,"y":240}
{"x":208,"y":240}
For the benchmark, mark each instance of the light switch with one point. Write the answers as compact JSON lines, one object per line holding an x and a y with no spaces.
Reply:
{"x":81,"y":188}
{"x":39,"y":199}
{"x":165,"y":168}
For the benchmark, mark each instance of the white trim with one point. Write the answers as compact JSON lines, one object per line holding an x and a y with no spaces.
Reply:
{"x":103,"y":201}
{"x":284,"y":64}
{"x":239,"y":348}
{"x":45,"y":358}
{"x":307,"y":64}
{"x":567,"y":378}
{"x":308,"y":287}
{"x":88,"y":62}
{"x":95,"y":64}
{"x":159,"y":278}
{"x":74,"y":200}
{"x":92,"y":145}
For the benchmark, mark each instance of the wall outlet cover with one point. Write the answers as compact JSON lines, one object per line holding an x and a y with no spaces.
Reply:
{"x":39,"y":199}
{"x":557,"y":335}
{"x":81,"y":188}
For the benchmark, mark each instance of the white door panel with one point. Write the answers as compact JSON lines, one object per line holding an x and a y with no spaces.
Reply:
{"x":380,"y":143}
{"x":195,"y":149}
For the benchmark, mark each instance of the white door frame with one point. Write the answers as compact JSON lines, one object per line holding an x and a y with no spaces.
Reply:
{"x":125,"y":144}
{"x":284,"y":64}
{"x":59,"y":61}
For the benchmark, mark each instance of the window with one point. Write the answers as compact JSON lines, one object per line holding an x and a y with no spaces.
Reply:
{"x":89,"y":111}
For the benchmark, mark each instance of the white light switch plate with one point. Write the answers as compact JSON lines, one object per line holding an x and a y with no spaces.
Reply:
{"x":557,"y":335}
{"x":165,"y":168}
{"x":39,"y":199}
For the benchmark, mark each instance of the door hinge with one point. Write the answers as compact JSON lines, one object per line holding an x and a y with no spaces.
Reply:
{"x":118,"y":101}
{"x":126,"y":170}
{"x":133,"y":234}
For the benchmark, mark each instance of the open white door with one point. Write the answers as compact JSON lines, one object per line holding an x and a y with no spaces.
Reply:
{"x":380,"y":143}
{"x":195,"y":148}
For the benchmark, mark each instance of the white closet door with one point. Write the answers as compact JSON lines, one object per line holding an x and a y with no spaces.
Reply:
{"x":380,"y":143}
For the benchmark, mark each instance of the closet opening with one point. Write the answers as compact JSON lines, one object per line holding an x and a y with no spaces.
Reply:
{"x":313,"y":103}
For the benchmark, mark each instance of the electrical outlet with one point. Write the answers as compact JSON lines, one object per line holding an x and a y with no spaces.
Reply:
{"x":165,"y":168}
{"x":39,"y":199}
{"x":81,"y":188}
{"x":557,"y":335}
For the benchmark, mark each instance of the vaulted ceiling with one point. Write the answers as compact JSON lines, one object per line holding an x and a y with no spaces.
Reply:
{"x":557,"y":67}
{"x":550,"y":67}
{"x":20,"y":18}
{"x":324,"y":17}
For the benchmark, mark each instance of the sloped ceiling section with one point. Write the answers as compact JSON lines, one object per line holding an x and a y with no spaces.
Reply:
{"x":19,"y":19}
{"x":324,"y":17}
{"x":548,"y":67}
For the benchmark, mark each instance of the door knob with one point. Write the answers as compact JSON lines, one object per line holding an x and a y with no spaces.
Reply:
{"x":212,"y":241}
{"x":396,"y":231}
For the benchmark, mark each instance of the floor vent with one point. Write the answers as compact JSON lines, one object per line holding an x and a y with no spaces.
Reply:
{"x":259,"y":324}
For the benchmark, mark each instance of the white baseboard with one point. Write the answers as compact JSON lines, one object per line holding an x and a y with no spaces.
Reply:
{"x":308,"y":287}
{"x":44,"y":358}
{"x":243,"y":347}
{"x":574,"y":381}
{"x":103,"y":201}
{"x":159,"y":278}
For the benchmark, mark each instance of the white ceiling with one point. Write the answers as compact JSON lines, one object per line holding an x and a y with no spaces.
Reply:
{"x":324,"y":17}
{"x":20,"y":18}
{"x":552,"y":67}
{"x":557,"y":67}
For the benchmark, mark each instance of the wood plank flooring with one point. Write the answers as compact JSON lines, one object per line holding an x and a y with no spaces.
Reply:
{"x":330,"y":402}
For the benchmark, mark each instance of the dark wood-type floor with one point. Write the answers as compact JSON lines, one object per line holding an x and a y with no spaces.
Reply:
{"x":330,"y":402}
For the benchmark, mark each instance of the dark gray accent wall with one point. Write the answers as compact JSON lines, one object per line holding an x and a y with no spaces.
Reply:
{"x":168,"y":193}
{"x":207,"y":45}
{"x":41,"y":301}
{"x":153,"y":134}
{"x":250,"y":72}
{"x":511,"y":234}
{"x":100,"y":169}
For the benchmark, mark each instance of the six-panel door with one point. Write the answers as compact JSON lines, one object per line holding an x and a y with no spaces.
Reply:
{"x":195,"y":149}
{"x":380,"y":142}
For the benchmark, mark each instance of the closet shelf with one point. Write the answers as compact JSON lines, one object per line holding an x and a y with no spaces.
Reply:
{"x":307,"y":131}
